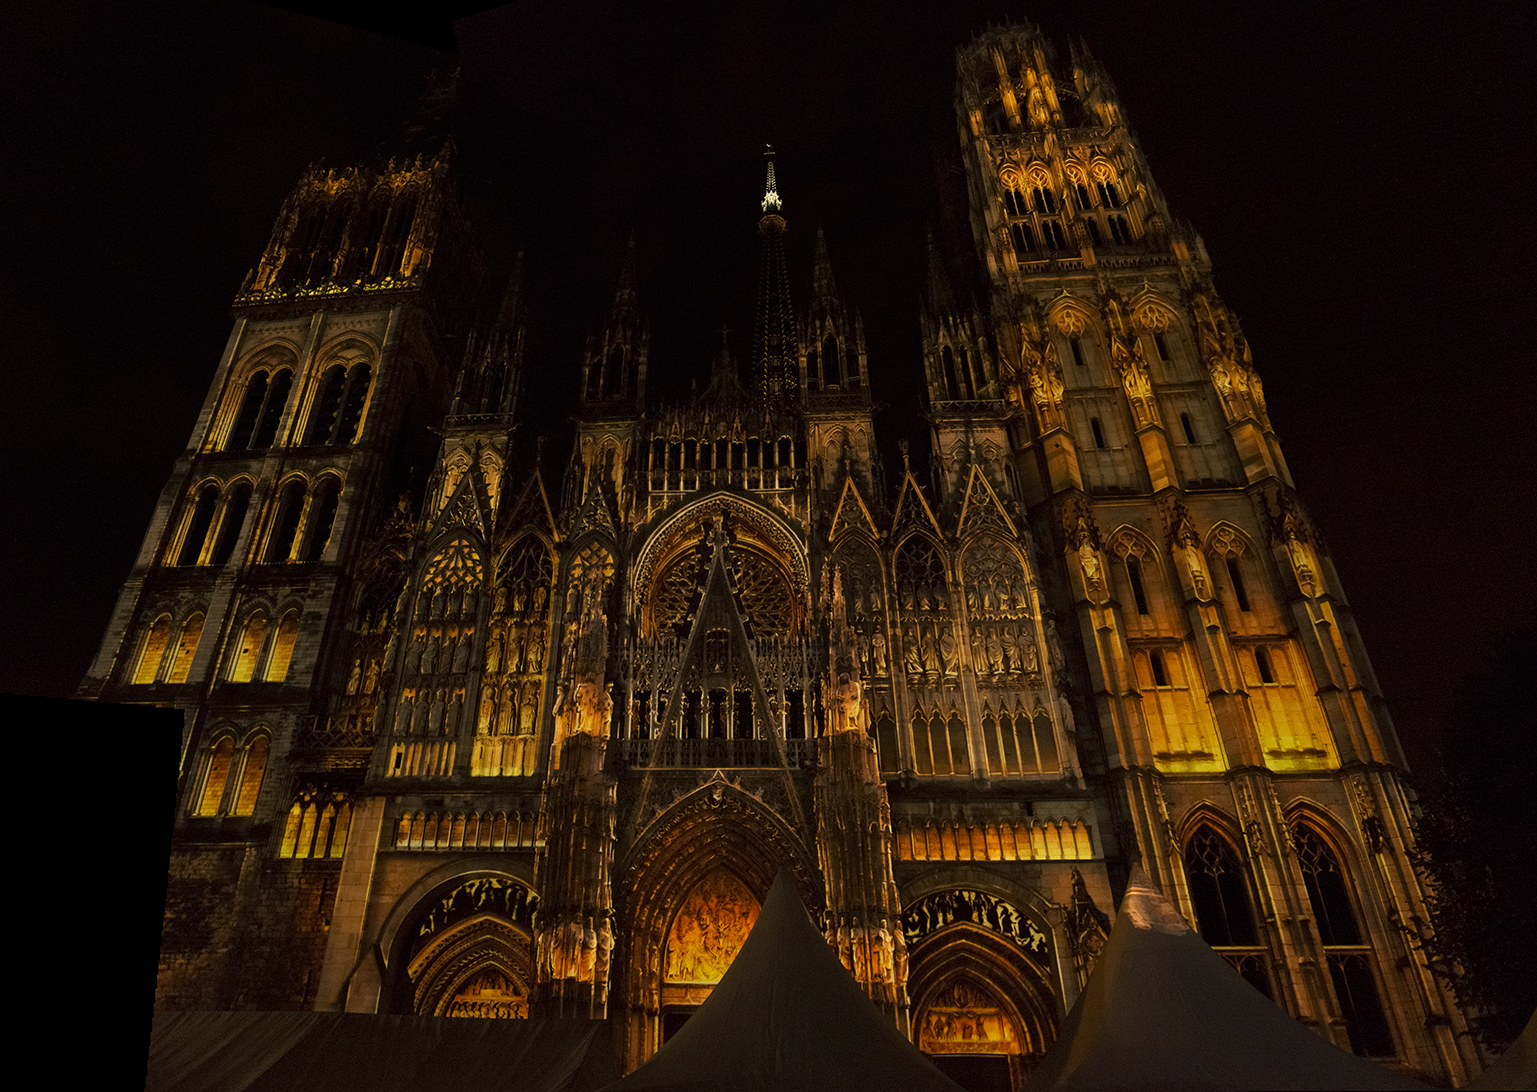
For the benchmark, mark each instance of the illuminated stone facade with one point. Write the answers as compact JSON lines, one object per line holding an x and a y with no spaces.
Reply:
{"x":539,"y":741}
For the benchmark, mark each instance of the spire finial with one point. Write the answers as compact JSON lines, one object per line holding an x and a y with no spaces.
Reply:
{"x":771,"y":202}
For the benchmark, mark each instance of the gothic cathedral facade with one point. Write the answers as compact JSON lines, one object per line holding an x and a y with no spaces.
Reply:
{"x":538,"y":741}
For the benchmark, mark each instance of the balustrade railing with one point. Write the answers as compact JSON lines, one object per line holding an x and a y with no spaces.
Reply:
{"x":710,"y":753}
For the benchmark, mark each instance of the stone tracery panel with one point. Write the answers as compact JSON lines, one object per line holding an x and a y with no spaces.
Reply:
{"x":512,"y":688}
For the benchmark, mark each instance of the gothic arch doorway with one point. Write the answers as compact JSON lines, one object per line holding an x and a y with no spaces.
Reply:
{"x":717,"y":840}
{"x":984,"y":1006}
{"x":468,"y":951}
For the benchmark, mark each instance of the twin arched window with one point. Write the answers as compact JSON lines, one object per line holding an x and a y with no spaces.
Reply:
{"x":209,"y":512}
{"x":261,"y":410}
{"x":315,"y":519}
{"x":257,"y":655}
{"x":339,"y":405}
{"x":229,"y":784}
{"x":162,"y":660}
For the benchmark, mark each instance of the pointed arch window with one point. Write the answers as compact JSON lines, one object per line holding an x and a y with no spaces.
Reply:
{"x":237,"y":502}
{"x":153,"y":651}
{"x":186,"y":648}
{"x":1051,"y":231}
{"x":250,"y":412}
{"x":1024,"y":238}
{"x":1120,"y":230}
{"x":1044,"y":200}
{"x":1109,"y":194}
{"x":1223,"y":909}
{"x":1350,"y":959}
{"x":831,"y":365}
{"x":198,"y":525}
{"x":952,"y":383}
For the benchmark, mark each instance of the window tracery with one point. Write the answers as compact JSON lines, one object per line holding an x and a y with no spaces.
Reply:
{"x":1345,"y":946}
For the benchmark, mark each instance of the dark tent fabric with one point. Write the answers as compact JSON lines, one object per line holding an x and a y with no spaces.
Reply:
{"x":786,"y":1015}
{"x":1163,"y":1011}
{"x":342,"y":1052}
{"x":1517,"y":1067}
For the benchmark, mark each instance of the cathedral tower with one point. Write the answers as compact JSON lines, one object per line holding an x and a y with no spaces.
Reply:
{"x":1250,"y":761}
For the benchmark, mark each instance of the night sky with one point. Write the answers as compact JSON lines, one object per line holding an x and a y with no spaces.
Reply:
{"x":1362,"y":179}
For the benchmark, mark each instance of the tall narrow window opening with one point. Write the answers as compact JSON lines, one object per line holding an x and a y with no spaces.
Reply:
{"x":236,"y":504}
{"x":1134,"y":577}
{"x":272,"y":410}
{"x":1098,"y":430}
{"x":153,"y":652}
{"x":186,"y":648}
{"x":1075,"y":343}
{"x":1235,"y":574}
{"x":322,"y":517}
{"x":1184,"y":423}
{"x":218,"y":775}
{"x":1262,"y":661}
{"x":286,"y":526}
{"x":197,"y":526}
{"x":1160,"y":674}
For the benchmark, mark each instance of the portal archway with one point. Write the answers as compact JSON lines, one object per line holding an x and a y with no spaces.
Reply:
{"x":466,"y":949}
{"x":715,"y":829}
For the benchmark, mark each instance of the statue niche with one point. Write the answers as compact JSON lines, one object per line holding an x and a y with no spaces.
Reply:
{"x":512,"y":688}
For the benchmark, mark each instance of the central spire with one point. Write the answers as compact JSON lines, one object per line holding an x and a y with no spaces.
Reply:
{"x":774,"y":345}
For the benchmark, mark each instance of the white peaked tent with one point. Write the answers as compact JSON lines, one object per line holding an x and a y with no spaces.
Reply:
{"x":1164,"y":1011}
{"x":787,"y":1015}
{"x":1517,"y":1067}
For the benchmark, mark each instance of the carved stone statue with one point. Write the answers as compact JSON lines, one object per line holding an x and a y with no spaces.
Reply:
{"x":878,"y":653}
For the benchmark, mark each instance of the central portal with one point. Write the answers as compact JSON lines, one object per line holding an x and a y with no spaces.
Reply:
{"x":706,"y":934}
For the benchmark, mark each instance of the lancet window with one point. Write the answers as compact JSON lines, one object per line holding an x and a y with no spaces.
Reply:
{"x":1224,"y":911}
{"x":186,"y":647}
{"x":317,"y":825}
{"x":247,"y":648}
{"x":940,"y":745}
{"x":1034,"y":213}
{"x":1351,"y":965}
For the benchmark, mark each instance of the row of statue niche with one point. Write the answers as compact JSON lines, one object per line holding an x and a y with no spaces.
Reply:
{"x":998,"y":649}
{"x":447,"y":603}
{"x":931,"y":650}
{"x":435,"y":651}
{"x":872,"y":954}
{"x":506,"y":898}
{"x":517,"y":649}
{"x":996,"y":593}
{"x":916,"y":596}
{"x":947,"y":907}
{"x":430,"y":713}
{"x":520,"y":600}
{"x":577,"y":949}
{"x":509,"y":709}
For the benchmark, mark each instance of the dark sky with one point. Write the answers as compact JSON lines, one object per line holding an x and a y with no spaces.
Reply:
{"x":1361,"y":176}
